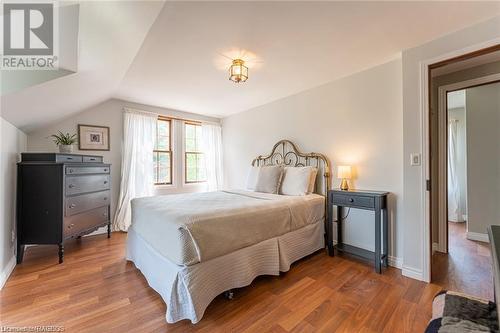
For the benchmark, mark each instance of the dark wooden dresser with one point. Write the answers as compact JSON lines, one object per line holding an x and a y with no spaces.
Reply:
{"x":60,"y":196}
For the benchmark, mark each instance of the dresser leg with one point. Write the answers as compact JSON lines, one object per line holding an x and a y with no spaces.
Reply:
{"x":20,"y":253}
{"x":109,"y":230}
{"x":61,"y":253}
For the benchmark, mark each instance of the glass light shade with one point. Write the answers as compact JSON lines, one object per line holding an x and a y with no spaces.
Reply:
{"x":344,"y":171}
{"x":238,"y":72}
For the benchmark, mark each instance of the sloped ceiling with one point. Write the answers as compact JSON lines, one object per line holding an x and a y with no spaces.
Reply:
{"x":181,"y":63}
{"x":295,"y":46}
{"x":110,"y":35}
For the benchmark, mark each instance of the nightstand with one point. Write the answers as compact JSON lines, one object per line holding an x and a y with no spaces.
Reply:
{"x":358,"y":199}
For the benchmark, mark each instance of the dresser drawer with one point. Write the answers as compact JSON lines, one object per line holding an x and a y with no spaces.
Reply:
{"x":77,"y":170}
{"x":81,"y":222}
{"x":353,"y":201}
{"x":69,"y":158}
{"x":92,"y":159}
{"x":81,"y":203}
{"x":85,"y":184}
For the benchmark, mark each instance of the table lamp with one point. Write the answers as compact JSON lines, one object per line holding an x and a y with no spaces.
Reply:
{"x":344,"y":173}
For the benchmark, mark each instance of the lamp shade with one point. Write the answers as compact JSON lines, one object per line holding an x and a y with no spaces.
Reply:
{"x":344,"y":171}
{"x":238,"y":72}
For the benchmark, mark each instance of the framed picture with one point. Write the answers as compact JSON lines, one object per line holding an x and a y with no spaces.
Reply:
{"x":92,"y":137}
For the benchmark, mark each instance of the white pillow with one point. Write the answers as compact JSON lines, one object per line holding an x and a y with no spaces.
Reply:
{"x":269,"y":179}
{"x":298,"y":180}
{"x":253,"y":176}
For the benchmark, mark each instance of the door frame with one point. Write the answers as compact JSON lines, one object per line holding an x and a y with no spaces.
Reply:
{"x":425,"y":80}
{"x":442,"y":191}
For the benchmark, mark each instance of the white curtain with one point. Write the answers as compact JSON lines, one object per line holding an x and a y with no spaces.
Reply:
{"x":212,"y":150}
{"x":139,"y":131}
{"x":455,"y":213}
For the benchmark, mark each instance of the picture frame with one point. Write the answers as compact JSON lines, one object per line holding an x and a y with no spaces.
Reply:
{"x":93,"y":137}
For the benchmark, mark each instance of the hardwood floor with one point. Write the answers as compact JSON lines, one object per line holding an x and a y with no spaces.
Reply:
{"x":96,"y":290}
{"x":467,"y":267}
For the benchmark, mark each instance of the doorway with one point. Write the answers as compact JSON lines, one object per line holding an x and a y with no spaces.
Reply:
{"x":464,"y":168}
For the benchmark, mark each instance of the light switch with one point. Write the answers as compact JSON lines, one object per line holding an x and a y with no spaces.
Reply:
{"x":415,"y":159}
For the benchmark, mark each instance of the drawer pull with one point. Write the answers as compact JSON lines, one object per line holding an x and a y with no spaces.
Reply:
{"x":105,"y":198}
{"x":351,"y":200}
{"x":92,"y":159}
{"x":105,"y":170}
{"x":72,"y":206}
{"x":69,"y":158}
{"x":105,"y":182}
{"x":71,"y":185}
{"x":70,"y":170}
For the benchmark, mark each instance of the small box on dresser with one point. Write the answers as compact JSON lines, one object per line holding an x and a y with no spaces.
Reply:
{"x":59,"y":197}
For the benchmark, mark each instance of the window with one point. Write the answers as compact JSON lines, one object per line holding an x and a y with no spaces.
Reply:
{"x":162,"y":153}
{"x":194,"y":159}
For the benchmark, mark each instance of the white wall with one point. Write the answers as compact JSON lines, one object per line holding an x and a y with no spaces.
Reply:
{"x":110,"y":113}
{"x":12,"y":142}
{"x":461,"y":165}
{"x":356,"y":120}
{"x":414,"y":180}
{"x":483,"y":156}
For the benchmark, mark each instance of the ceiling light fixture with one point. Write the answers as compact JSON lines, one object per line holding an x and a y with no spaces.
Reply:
{"x":238,"y":72}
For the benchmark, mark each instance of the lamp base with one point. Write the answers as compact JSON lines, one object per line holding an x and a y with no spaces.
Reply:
{"x":344,"y":185}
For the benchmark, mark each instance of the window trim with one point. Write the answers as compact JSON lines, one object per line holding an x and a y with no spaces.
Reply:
{"x":163,"y":118}
{"x":195,"y":123}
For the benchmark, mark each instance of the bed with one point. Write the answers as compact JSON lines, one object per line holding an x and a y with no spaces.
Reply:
{"x":193,"y":247}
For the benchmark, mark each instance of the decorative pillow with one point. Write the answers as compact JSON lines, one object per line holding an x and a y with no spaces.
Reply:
{"x":253,"y":176}
{"x":297,"y":180}
{"x":312,"y":182}
{"x":269,"y":179}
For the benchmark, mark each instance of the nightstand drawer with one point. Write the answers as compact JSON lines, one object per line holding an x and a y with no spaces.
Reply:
{"x":353,"y":201}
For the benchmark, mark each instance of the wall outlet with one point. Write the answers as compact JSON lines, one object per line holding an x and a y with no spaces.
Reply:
{"x":415,"y":159}
{"x":13,"y":236}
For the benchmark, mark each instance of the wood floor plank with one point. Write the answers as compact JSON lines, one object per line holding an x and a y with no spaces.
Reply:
{"x":467,"y":266}
{"x":97,"y":290}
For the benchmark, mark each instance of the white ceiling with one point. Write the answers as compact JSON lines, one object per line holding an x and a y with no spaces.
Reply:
{"x":291,"y":47}
{"x":296,"y":45}
{"x":110,"y":35}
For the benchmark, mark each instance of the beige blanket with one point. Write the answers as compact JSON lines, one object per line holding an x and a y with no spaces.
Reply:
{"x":195,"y":227}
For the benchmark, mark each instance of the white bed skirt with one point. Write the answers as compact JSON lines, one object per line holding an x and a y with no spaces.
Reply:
{"x":188,"y":290}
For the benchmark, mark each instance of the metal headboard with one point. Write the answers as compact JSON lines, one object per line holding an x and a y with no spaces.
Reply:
{"x":285,"y":152}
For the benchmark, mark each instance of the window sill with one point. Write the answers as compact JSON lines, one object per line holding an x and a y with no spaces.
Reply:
{"x":164,"y":186}
{"x":194,"y":184}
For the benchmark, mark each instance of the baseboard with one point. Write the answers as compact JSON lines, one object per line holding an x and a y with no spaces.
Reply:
{"x":476,"y":236}
{"x":413,"y":273}
{"x":395,"y":262}
{"x":7,"y":270}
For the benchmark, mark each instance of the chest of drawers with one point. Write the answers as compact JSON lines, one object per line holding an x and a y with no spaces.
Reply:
{"x":59,"y":197}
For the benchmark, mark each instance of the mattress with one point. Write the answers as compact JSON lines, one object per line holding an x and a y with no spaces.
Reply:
{"x":196,"y":227}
